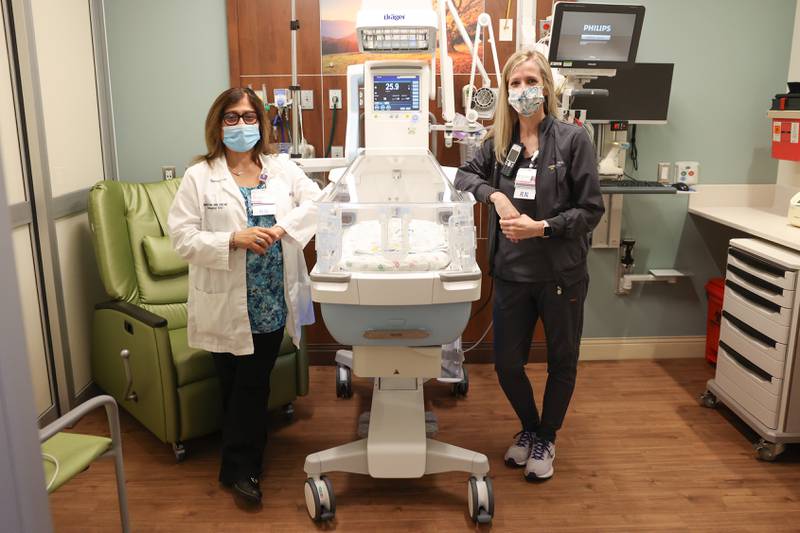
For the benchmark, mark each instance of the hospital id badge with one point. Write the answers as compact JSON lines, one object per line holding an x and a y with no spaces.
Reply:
{"x":526,"y":177}
{"x":524,"y":192}
{"x":525,"y":184}
{"x":262,"y":203}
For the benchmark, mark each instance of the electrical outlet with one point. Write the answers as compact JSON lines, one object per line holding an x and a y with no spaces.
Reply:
{"x":337,"y":151}
{"x":167,"y":173}
{"x":307,"y":99}
{"x":334,"y":98}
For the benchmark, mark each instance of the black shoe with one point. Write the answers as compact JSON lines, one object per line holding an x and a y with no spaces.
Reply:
{"x":248,"y":489}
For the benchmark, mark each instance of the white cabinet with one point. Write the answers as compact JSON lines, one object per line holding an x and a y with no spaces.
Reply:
{"x":758,"y":375}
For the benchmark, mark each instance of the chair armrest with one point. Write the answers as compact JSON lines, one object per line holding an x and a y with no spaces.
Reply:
{"x":72,"y":417}
{"x":119,"y":326}
{"x":134,"y":311}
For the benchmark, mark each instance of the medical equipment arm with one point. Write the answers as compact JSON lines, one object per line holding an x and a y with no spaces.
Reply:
{"x":446,"y":66}
{"x":465,"y":37}
{"x":355,"y":78}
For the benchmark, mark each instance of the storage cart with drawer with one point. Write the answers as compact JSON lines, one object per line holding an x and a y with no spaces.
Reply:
{"x":758,"y":374}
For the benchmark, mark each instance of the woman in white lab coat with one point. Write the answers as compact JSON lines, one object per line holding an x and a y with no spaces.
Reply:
{"x":241,"y":219}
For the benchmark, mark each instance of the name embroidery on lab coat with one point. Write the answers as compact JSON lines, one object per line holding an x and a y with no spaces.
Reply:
{"x":215,"y":205}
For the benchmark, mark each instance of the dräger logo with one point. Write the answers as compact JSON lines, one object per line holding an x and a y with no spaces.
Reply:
{"x":597,"y":27}
{"x":391,"y":16}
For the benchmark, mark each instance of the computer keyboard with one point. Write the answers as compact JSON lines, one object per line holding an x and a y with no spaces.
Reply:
{"x":635,"y":187}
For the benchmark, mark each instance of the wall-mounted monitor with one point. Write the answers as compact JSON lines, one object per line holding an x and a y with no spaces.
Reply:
{"x":595,"y":36}
{"x":638,"y":93}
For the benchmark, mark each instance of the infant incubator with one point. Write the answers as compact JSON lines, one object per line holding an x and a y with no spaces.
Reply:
{"x":395,"y":278}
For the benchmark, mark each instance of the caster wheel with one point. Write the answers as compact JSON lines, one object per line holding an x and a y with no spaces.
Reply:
{"x":344,"y":382}
{"x":180,"y":451}
{"x":320,"y":501}
{"x":288,"y":412}
{"x":768,"y":451}
{"x":708,"y":399}
{"x":480,"y":498}
{"x":462,"y":387}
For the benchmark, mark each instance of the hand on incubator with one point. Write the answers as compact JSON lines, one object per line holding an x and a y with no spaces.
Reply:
{"x":522,"y":227}
{"x":257,"y":239}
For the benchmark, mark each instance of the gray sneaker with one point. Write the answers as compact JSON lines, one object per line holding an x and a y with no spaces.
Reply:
{"x":540,"y":463}
{"x":518,"y":453}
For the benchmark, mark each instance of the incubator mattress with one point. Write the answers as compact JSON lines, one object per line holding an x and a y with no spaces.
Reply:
{"x":362,"y":252}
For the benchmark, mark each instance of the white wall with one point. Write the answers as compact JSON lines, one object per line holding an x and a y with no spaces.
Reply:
{"x":789,"y":171}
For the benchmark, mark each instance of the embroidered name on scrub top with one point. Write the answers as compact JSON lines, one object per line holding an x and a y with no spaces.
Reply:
{"x":525,"y":181}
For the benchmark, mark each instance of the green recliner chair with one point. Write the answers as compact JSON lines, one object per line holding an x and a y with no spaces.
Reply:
{"x":140,"y":354}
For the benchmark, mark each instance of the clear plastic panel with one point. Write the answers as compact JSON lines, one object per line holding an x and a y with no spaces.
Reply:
{"x":395,"y":213}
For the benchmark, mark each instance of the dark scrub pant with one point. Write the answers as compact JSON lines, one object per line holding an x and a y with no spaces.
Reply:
{"x":517,"y":307}
{"x":244,"y":381}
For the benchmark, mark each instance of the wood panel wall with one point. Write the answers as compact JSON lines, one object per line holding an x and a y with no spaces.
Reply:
{"x":259,"y":39}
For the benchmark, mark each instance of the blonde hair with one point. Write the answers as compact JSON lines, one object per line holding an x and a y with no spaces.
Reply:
{"x":505,"y":118}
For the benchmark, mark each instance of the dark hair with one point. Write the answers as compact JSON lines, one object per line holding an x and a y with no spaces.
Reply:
{"x":214,"y":143}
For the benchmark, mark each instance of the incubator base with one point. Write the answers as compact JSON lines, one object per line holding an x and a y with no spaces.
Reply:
{"x":431,"y":424}
{"x":397,"y":447}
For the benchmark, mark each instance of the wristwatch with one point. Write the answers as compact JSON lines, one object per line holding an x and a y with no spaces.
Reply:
{"x":548,"y":230}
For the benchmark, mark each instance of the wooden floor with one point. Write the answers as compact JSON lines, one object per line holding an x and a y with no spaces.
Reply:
{"x":637,"y":453}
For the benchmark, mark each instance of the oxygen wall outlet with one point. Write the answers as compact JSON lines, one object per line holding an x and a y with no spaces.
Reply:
{"x":687,"y":172}
{"x":335,"y":98}
{"x":307,"y":99}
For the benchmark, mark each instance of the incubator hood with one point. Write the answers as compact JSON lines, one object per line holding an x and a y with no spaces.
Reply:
{"x":395,"y":211}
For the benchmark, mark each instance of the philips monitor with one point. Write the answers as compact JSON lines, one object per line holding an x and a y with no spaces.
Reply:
{"x":638,"y":93}
{"x":595,"y":36}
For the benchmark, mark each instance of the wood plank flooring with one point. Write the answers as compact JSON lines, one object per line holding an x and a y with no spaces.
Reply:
{"x":637,"y":453}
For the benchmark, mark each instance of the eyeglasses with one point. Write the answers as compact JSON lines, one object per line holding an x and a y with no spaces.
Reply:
{"x":231,"y":118}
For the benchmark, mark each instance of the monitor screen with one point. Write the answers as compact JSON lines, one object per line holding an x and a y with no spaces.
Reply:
{"x":595,"y":35}
{"x":395,"y":93}
{"x":638,"y":93}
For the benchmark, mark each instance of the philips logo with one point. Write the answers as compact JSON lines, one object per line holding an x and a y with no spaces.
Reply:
{"x":597,"y":27}
{"x":393,"y":17}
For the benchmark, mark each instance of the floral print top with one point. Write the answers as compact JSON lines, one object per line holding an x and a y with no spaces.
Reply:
{"x":266,"y":305}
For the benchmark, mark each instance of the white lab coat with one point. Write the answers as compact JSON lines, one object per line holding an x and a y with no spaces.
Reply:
{"x":206,"y":209}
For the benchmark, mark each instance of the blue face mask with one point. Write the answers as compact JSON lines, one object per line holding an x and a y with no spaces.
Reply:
{"x":242,"y":137}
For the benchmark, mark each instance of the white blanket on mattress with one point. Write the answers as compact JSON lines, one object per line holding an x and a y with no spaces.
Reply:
{"x":427,"y":247}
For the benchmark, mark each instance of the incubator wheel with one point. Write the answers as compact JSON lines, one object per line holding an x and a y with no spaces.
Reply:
{"x":708,"y":399}
{"x":180,"y":451}
{"x":288,"y":412}
{"x":344,"y":382}
{"x":462,"y":387}
{"x":480,"y":498}
{"x":768,"y":451}
{"x":320,"y":502}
